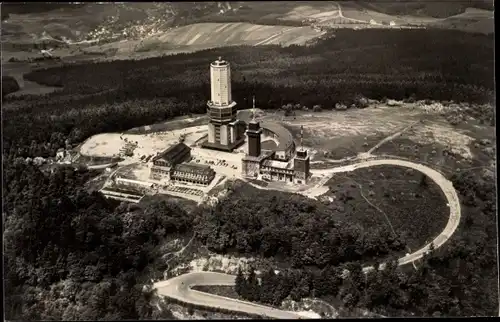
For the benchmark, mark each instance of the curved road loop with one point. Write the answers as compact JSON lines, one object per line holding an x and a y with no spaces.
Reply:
{"x":179,"y":288}
{"x":445,"y":185}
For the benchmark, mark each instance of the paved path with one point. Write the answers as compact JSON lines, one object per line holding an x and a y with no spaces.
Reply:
{"x":179,"y":287}
{"x":445,"y":185}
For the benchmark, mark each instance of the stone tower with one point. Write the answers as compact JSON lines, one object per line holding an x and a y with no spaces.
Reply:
{"x":254,"y":135}
{"x":301,"y":162}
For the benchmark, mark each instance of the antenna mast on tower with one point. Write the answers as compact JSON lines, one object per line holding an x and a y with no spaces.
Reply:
{"x":301,"y":137}
{"x":253,"y":108}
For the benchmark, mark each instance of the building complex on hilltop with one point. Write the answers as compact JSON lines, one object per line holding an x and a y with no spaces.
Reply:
{"x":274,"y":165}
{"x":225,"y":133}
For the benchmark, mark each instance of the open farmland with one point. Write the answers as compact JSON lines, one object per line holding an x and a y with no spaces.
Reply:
{"x":419,"y":8}
{"x":210,"y":35}
{"x":473,"y":16}
{"x":378,"y":17}
{"x":384,"y":93}
{"x":236,"y":33}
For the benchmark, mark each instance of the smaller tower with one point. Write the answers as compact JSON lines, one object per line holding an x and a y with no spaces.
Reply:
{"x":301,"y":162}
{"x":254,"y":135}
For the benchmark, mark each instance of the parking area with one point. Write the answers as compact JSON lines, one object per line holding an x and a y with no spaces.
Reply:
{"x":224,"y":163}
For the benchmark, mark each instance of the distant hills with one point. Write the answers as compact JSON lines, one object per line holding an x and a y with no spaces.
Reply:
{"x":57,"y":24}
{"x":425,"y":8}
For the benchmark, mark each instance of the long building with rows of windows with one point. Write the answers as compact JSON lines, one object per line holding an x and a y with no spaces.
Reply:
{"x":171,"y":166}
{"x":192,"y":173}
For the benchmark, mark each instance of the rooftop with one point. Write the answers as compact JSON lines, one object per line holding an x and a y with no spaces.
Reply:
{"x":220,"y":62}
{"x":170,"y":153}
{"x":193,"y":168}
{"x":301,"y":153}
{"x":269,"y":145}
{"x":262,"y":156}
{"x":277,"y":164}
{"x":285,"y":138}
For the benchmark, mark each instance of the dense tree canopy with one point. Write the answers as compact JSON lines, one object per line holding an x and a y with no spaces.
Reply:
{"x":292,"y":227}
{"x":9,"y":85}
{"x":59,"y":236}
{"x":458,"y":279}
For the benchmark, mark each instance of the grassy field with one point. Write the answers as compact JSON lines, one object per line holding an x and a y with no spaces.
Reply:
{"x":420,"y":8}
{"x":470,"y":146}
{"x":236,"y":33}
{"x":341,"y":134}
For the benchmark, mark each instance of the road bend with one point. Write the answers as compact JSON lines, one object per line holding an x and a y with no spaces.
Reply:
{"x":179,"y":288}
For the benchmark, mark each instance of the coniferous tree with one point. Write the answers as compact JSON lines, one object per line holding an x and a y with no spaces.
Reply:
{"x":253,"y":286}
{"x":268,"y":286}
{"x":240,"y":282}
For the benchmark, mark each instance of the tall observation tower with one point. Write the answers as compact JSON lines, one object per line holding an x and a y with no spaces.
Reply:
{"x":225,"y":132}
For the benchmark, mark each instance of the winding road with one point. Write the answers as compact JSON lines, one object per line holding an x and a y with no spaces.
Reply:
{"x":179,"y":288}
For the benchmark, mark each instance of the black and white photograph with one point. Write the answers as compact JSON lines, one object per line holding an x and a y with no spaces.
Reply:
{"x":249,"y":160}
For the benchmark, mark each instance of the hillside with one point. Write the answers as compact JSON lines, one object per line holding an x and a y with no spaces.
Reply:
{"x":208,"y":35}
{"x":188,"y":26}
{"x":423,"y":8}
{"x":468,"y":16}
{"x":472,"y":20}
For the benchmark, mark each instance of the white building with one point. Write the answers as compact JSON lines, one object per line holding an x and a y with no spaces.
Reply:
{"x":220,"y":82}
{"x":225,"y":132}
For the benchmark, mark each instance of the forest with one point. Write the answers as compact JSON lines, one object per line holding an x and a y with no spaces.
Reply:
{"x":456,"y":280}
{"x":294,"y":228}
{"x":9,"y":85}
{"x":85,"y":255}
{"x":71,"y":254}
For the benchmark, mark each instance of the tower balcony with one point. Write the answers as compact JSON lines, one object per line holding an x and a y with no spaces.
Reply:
{"x":215,"y":105}
{"x":222,"y":113}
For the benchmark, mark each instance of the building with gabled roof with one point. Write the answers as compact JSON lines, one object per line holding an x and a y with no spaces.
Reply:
{"x":175,"y":154}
